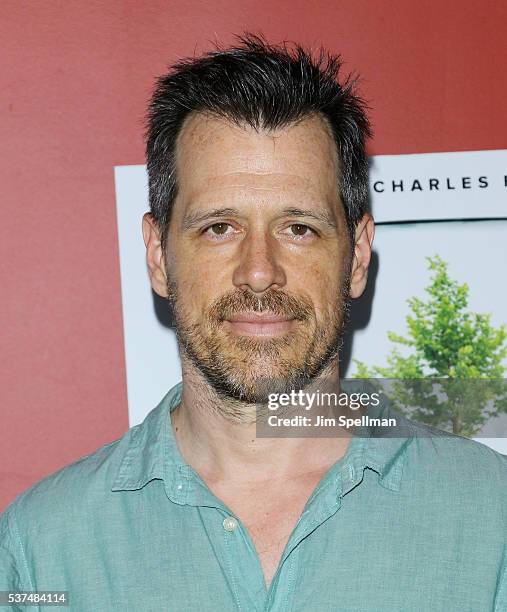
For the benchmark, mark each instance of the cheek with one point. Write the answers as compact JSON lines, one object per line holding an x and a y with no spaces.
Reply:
{"x":198,"y":287}
{"x":324,"y":286}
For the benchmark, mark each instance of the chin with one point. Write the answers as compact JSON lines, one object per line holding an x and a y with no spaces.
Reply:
{"x":253,"y":379}
{"x":248,"y":369}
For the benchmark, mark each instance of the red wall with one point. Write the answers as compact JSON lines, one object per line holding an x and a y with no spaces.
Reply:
{"x":75,"y":80}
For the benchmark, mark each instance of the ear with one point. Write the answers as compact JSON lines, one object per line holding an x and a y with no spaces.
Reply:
{"x":363,"y":240}
{"x":154,"y":255}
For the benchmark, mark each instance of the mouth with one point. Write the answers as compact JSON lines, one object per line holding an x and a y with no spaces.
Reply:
{"x":259,"y":324}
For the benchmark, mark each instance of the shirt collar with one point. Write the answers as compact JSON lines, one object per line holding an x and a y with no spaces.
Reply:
{"x":151,"y":450}
{"x":381,"y":450}
{"x":152,"y":453}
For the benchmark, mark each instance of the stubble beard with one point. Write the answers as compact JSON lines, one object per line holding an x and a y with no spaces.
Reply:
{"x":246,"y":369}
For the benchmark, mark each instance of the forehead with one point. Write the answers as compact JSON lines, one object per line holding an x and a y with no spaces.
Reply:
{"x":216,"y":154}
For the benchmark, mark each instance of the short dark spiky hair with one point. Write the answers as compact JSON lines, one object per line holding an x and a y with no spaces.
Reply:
{"x":266,"y":87}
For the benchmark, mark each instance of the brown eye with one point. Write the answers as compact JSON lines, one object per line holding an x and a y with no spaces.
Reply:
{"x":298,"y":229}
{"x":219,"y":228}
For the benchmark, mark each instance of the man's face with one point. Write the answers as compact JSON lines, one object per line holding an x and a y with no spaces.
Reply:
{"x":258,"y":255}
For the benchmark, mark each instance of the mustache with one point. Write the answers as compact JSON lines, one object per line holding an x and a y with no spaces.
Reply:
{"x":276,"y":302}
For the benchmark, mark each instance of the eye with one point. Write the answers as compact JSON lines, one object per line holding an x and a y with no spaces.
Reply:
{"x":219,"y":230}
{"x":300,"y":230}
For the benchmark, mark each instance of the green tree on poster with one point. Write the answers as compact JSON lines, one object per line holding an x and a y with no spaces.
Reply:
{"x":453,"y":377}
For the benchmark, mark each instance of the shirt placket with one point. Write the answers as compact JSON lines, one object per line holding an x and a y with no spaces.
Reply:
{"x":232,"y":546}
{"x":244,"y":566}
{"x":325,"y":501}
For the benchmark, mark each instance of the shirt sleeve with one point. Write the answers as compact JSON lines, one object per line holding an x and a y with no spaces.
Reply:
{"x":13,"y":570}
{"x":501,"y":593}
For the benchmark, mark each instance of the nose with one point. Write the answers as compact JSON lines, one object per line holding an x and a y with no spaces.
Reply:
{"x":259,"y":266}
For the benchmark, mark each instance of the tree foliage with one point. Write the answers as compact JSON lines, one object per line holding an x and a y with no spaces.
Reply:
{"x":452,"y":376}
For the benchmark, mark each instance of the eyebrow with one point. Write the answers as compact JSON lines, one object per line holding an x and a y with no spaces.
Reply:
{"x":193,"y":219}
{"x":323,"y":217}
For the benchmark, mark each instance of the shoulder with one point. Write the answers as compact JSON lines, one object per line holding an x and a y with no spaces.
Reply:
{"x":454,"y":460}
{"x":459,"y":446}
{"x":76,"y":493}
{"x":62,"y":494}
{"x":41,"y":517}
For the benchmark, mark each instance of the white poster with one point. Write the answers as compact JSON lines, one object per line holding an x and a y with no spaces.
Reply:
{"x":453,"y":205}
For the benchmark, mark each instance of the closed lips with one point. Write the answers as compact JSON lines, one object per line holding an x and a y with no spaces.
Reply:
{"x":258,"y":318}
{"x":263,"y":324}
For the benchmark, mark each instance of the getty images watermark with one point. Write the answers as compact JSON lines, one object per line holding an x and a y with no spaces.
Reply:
{"x":348,"y":402}
{"x":378,"y":407}
{"x":329,"y":409}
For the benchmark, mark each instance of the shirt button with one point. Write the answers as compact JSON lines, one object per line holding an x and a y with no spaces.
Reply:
{"x":230,"y":523}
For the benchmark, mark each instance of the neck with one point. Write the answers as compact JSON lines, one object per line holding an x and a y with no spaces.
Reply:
{"x":222,"y":448}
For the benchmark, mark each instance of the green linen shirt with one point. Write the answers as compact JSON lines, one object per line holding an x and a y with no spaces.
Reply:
{"x":409,"y":524}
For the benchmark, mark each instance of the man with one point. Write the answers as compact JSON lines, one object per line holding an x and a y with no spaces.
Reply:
{"x":259,"y":236}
